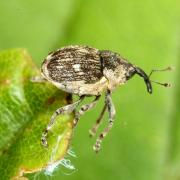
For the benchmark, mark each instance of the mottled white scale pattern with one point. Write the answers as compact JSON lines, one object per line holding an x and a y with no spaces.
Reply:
{"x":77,"y":67}
{"x":73,"y":63}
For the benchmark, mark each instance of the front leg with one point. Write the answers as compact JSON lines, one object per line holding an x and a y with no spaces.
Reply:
{"x":112,"y":112}
{"x":93,"y":130}
{"x":66,"y":109}
{"x":85,"y":108}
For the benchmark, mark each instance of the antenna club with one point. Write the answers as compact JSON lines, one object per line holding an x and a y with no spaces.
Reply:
{"x":167,"y":85}
{"x":170,"y":68}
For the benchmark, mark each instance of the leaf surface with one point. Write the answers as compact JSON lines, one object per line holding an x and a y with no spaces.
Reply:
{"x":25,"y":110}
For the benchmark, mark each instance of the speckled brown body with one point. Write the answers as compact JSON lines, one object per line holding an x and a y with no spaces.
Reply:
{"x":87,"y":71}
{"x":83,"y":70}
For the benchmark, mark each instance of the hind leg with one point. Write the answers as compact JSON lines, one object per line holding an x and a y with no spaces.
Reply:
{"x":94,"y":129}
{"x":38,"y":79}
{"x":112,"y":112}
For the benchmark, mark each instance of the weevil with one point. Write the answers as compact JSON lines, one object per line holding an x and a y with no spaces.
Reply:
{"x":87,"y":71}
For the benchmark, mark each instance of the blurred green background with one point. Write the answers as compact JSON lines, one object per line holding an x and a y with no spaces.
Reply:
{"x":145,"y":140}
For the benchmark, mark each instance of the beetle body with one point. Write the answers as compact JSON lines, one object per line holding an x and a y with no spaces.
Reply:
{"x":87,"y":71}
{"x":83,"y":70}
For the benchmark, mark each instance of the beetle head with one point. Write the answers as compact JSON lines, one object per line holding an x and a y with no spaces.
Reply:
{"x":147,"y":80}
{"x":111,"y":60}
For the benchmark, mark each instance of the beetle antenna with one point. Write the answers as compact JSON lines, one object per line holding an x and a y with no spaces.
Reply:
{"x":162,"y":84}
{"x":160,"y":70}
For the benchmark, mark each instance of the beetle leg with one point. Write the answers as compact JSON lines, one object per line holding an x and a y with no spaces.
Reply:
{"x":85,"y":108}
{"x":62,"y":110}
{"x":94,"y":129}
{"x":38,"y":79}
{"x":112,"y":112}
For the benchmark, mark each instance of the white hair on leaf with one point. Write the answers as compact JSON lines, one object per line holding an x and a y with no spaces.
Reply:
{"x":63,"y":162}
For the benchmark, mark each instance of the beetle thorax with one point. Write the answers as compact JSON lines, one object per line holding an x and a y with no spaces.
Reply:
{"x":115,"y":77}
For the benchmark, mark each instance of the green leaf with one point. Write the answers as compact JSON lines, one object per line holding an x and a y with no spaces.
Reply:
{"x":25,"y":110}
